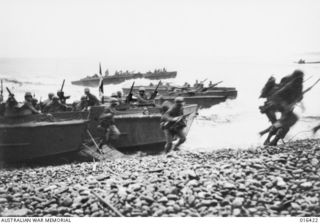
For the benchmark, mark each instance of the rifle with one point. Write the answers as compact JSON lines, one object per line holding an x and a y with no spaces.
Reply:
{"x":173,"y":124}
{"x":215,"y":84}
{"x":10,"y":94}
{"x":155,"y":92}
{"x":307,"y":90}
{"x":129,"y":97}
{"x":212,"y":86}
{"x":61,"y":90}
{"x":203,"y":81}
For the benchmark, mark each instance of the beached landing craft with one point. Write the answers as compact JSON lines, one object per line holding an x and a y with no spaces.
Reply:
{"x":37,"y":136}
{"x":139,"y":127}
{"x":29,"y":137}
{"x":117,"y":78}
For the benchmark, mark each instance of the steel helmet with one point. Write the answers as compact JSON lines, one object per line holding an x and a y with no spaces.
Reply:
{"x":179,"y":99}
{"x":27,"y":94}
{"x":142,"y":89}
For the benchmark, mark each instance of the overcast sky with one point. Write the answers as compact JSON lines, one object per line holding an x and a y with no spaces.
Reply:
{"x":78,"y":28}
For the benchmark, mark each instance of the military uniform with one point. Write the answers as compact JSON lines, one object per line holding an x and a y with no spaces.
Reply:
{"x":107,"y":123}
{"x":55,"y":106}
{"x":28,"y":108}
{"x":173,"y":124}
{"x":91,"y":99}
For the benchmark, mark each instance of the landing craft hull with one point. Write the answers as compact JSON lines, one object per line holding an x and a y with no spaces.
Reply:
{"x":115,"y":79}
{"x":201,"y":101}
{"x":230,"y":93}
{"x":31,"y":138}
{"x":139,"y":131}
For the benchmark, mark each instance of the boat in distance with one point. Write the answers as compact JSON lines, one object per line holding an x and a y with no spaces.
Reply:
{"x":117,"y":78}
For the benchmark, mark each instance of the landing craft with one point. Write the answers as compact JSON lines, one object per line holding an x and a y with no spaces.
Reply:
{"x":119,"y":77}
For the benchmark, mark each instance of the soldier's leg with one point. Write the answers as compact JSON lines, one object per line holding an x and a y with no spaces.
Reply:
{"x":272,"y":132}
{"x":169,"y":139}
{"x":105,"y":138}
{"x":281,"y":133}
{"x":287,"y":122}
{"x":271,"y":115}
{"x":182,"y":137}
{"x":114,"y":132}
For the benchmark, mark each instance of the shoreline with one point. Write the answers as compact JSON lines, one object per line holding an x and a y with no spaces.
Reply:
{"x":262,"y":181}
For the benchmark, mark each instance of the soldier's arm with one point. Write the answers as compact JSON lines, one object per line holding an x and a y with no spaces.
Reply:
{"x":34,"y":111}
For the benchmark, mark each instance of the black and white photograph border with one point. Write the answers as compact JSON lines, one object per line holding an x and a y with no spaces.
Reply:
{"x":149,"y":108}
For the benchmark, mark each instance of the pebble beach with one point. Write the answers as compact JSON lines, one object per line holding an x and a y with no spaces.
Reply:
{"x":266,"y":181}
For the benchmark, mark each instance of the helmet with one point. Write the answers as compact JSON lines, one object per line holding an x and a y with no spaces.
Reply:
{"x":86,"y":90}
{"x":27,"y":94}
{"x":142,"y":89}
{"x":50,"y":94}
{"x":179,"y":99}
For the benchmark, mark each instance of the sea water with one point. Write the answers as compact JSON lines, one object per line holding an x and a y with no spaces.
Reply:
{"x":232,"y":124}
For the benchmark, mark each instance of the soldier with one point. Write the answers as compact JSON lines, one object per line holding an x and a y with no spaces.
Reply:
{"x":196,"y":84}
{"x":28,"y":108}
{"x":164,"y":105}
{"x":281,"y":98}
{"x":62,"y":97}
{"x":11,"y":107}
{"x":47,"y":101}
{"x":142,"y":97}
{"x":173,"y":124}
{"x":82,"y":105}
{"x":92,"y":99}
{"x":107,"y":124}
{"x":55,"y":106}
{"x":119,"y":95}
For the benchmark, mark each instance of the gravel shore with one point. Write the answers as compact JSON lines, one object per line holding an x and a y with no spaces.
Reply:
{"x":273,"y":181}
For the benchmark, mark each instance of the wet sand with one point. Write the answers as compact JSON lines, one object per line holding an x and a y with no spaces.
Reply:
{"x":272,"y":181}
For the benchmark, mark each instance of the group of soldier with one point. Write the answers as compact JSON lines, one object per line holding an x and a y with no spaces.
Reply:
{"x":280,"y":98}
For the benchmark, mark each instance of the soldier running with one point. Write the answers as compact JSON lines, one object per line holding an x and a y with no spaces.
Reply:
{"x":281,"y":98}
{"x":107,"y":124}
{"x":173,"y":124}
